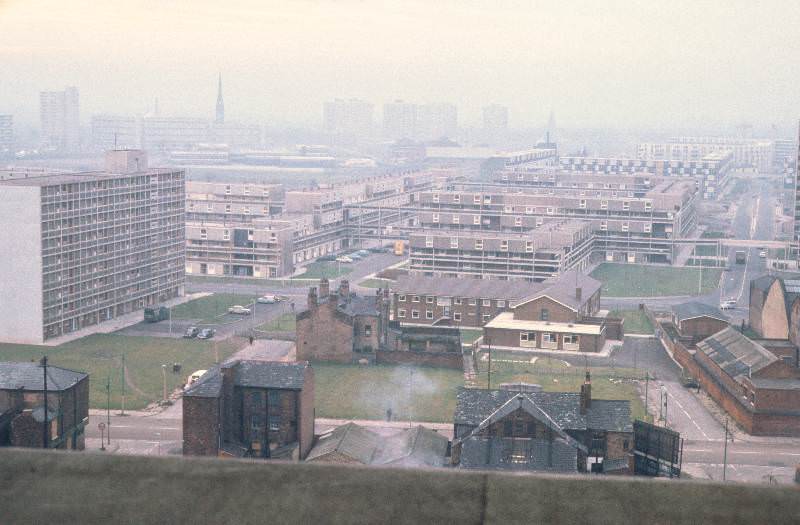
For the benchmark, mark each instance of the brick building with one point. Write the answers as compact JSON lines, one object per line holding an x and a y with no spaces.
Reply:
{"x":771,"y":301}
{"x":340,"y":325}
{"x":22,"y":414}
{"x":253,"y":409}
{"x":527,"y":429}
{"x":563,"y":315}
{"x":698,"y":320}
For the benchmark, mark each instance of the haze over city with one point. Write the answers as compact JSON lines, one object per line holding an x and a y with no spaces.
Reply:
{"x":644,"y":65}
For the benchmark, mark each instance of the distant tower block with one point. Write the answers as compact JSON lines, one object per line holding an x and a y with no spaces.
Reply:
{"x":220,"y":104}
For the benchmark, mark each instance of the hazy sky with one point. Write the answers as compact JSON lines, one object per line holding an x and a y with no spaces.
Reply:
{"x":625,"y":64}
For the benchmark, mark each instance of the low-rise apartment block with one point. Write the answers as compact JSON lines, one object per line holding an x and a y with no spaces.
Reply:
{"x":750,"y":153}
{"x":89,"y":247}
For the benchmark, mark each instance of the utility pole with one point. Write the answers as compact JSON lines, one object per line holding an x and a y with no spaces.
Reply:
{"x":489,"y":373}
{"x":725,"y":452}
{"x":122,"y":412}
{"x":164,"y":376}
{"x":45,"y":441}
{"x":410,"y":393}
{"x":646,"y":399}
{"x":108,"y":407}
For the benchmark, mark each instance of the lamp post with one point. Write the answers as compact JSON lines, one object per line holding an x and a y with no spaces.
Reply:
{"x":164,"y":376}
{"x":45,"y":441}
{"x":108,"y":408}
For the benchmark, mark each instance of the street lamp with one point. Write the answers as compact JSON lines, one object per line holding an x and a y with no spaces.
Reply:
{"x":164,"y":375}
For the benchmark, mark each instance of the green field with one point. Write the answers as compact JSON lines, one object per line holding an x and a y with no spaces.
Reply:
{"x":376,"y":283}
{"x":555,"y":375}
{"x":208,"y":309}
{"x":470,"y":335}
{"x":283,"y":323}
{"x":366,"y":392}
{"x":636,"y":322}
{"x":101,"y":356}
{"x":331,"y":270}
{"x":637,"y":280}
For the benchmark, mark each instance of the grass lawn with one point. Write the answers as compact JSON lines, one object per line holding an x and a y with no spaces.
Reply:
{"x":469,"y":335}
{"x":555,"y":376}
{"x":712,"y":235}
{"x":637,"y":280}
{"x":331,"y":270}
{"x":375,"y":283}
{"x":366,"y":392}
{"x":283,"y":323}
{"x":703,"y":250}
{"x":207,"y":309}
{"x":101,"y":356}
{"x":635,"y":321}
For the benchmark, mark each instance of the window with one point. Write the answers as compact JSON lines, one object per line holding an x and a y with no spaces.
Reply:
{"x":486,"y":302}
{"x":209,"y":207}
{"x":508,"y":209}
{"x":501,"y":304}
{"x":648,"y":228}
{"x":401,"y":313}
{"x":415,"y":314}
{"x":604,"y":226}
{"x":227,"y":190}
{"x":429,"y":299}
{"x":550,"y":210}
{"x":246,"y":190}
{"x":473,"y":302}
{"x":528,"y":210}
{"x":456,"y":219}
{"x":476,"y":219}
{"x":626,"y":205}
{"x":583,"y":203}
{"x":486,"y":318}
{"x":457,"y":316}
{"x":547,"y":337}
{"x":435,"y":197}
{"x":429,"y":242}
{"x":428,"y":314}
{"x":570,"y":339}
{"x":457,"y":199}
{"x":648,"y":205}
{"x":517,"y":221}
{"x":476,"y":199}
{"x":415,"y":299}
{"x":456,"y":300}
{"x":274,"y":423}
{"x":203,"y":235}
{"x":539,"y":221}
{"x":523,"y":336}
{"x":247,"y":210}
{"x":368,"y":330}
{"x":401,"y":298}
{"x":528,"y":246}
{"x":544,"y":314}
{"x":274,"y":397}
{"x":479,"y":244}
{"x":504,"y":246}
{"x":226,"y":235}
{"x":227,"y":208}
{"x":624,"y":226}
{"x":435,"y":217}
{"x":255,"y":422}
{"x":603,"y":205}
{"x":454,"y":242}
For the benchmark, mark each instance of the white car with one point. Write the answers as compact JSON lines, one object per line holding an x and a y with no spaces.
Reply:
{"x":268,"y":299}
{"x":727,"y":305}
{"x":762,"y":254}
{"x":238,"y":310}
{"x":344,"y":259}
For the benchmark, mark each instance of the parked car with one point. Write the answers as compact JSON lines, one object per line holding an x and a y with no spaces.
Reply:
{"x":689,"y":381}
{"x":344,"y":259}
{"x":206,"y":333}
{"x":762,"y":254}
{"x":268,"y":299}
{"x":192,"y":379}
{"x":326,"y":258}
{"x":363,"y":253}
{"x":192,"y":331}
{"x":238,"y":310}
{"x":728,"y":304}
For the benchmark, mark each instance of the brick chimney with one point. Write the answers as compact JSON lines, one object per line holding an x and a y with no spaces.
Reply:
{"x":324,"y":287}
{"x":586,"y":393}
{"x":312,"y":298}
{"x":578,"y":293}
{"x":344,"y":290}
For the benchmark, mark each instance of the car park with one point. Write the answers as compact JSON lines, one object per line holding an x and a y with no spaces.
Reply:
{"x":206,"y":333}
{"x":238,"y":310}
{"x":191,"y":332}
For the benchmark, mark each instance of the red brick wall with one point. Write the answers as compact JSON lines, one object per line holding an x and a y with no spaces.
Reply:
{"x":532,"y":311}
{"x":324,"y":336}
{"x":701,"y":327}
{"x":306,"y":411}
{"x":201,"y":420}
{"x":443,"y":360}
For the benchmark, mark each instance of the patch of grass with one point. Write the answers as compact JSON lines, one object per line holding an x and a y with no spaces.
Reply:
{"x":331,"y":270}
{"x":283,"y":323}
{"x":636,"y":322}
{"x":469,"y":335}
{"x":208,"y":309}
{"x":704,"y":250}
{"x":607,"y":383}
{"x":375,"y":283}
{"x":366,"y":392}
{"x":101,"y":356}
{"x":637,"y":280}
{"x":713,"y":235}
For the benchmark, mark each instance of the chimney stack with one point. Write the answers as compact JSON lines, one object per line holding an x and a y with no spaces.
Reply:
{"x":312,"y":298}
{"x":324,"y":287}
{"x":586,"y":393}
{"x":578,"y":293}
{"x":344,"y":290}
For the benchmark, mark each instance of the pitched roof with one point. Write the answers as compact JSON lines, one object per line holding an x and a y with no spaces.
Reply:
{"x":359,"y":305}
{"x":418,"y":446}
{"x":693,"y":309}
{"x":474,"y":405}
{"x":257,"y":374}
{"x":763,"y":283}
{"x":736,"y":354}
{"x":564,"y":290}
{"x":30,"y":376}
{"x":477,"y":288}
{"x":351,"y":440}
{"x":209,"y":385}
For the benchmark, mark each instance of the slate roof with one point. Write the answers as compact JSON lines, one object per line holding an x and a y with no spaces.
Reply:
{"x":735,"y":354}
{"x":418,"y":446}
{"x":256,"y":374}
{"x":30,"y":376}
{"x":487,"y":453}
{"x":776,"y":383}
{"x":359,"y":305}
{"x":471,"y":288}
{"x":763,"y":283}
{"x":694,"y":309}
{"x":475,"y":405}
{"x":350,"y":440}
{"x":563,"y":288}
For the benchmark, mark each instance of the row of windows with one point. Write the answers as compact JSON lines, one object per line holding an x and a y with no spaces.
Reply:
{"x":456,"y":300}
{"x":457,"y":316}
{"x":228,"y":209}
{"x":548,"y":337}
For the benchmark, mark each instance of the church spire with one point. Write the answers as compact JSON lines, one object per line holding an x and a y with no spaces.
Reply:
{"x":220,"y":104}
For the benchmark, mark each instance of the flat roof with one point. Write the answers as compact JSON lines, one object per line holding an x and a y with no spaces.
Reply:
{"x":505,"y":320}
